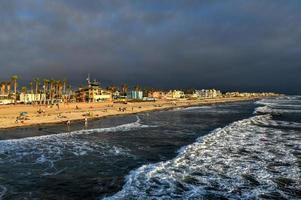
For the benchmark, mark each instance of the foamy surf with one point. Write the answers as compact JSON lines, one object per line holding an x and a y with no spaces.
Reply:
{"x":120,"y":128}
{"x":46,"y":151}
{"x":276,"y":123}
{"x":270,"y":110}
{"x":241,"y":161}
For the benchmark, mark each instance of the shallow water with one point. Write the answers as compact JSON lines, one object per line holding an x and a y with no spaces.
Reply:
{"x":146,"y":157}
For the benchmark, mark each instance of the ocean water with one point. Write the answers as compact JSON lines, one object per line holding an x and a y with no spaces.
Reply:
{"x":244,"y":150}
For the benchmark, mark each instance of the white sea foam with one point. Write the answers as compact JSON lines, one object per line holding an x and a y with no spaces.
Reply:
{"x":196,"y":108}
{"x":49,"y":149}
{"x":270,"y":110}
{"x":280,"y":105}
{"x":283,"y":101}
{"x":240,"y":161}
{"x":121,"y":128}
{"x":276,"y":123}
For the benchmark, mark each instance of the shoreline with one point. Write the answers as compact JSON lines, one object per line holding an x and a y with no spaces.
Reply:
{"x":97,"y":110}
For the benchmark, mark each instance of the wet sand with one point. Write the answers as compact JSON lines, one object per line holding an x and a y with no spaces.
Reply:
{"x":80,"y":111}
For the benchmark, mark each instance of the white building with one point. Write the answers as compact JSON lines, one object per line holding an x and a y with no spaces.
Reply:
{"x":135,"y":95}
{"x":212,"y":93}
{"x":4,"y":99}
{"x":30,"y":98}
{"x":103,"y":96}
{"x":175,"y":94}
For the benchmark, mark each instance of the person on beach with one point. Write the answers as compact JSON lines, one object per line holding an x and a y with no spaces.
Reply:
{"x":68,"y":123}
{"x":86,"y":122}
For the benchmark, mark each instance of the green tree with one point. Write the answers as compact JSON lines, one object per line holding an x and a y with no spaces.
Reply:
{"x":14,"y":82}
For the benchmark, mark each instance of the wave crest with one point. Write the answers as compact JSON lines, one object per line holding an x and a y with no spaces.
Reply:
{"x":237,"y":161}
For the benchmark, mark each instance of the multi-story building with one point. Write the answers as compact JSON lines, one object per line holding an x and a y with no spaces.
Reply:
{"x":92,"y":93}
{"x":135,"y":95}
{"x":212,"y":93}
{"x":175,"y":94}
{"x":156,"y":94}
{"x":31,"y":98}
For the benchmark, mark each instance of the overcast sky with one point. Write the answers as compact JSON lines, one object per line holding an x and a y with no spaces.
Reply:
{"x":232,"y":45}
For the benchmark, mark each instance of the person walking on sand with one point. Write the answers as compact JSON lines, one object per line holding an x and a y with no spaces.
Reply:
{"x":68,"y":123}
{"x":86,"y":122}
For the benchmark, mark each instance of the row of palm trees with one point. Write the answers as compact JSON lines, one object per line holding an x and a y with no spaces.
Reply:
{"x":123,"y":88}
{"x":51,"y":90}
{"x":6,"y":87}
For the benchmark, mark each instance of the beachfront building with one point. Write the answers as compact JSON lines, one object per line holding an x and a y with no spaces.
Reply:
{"x":92,"y":93}
{"x":232,"y":94}
{"x":135,"y":94}
{"x":156,"y":94}
{"x":205,"y":94}
{"x":28,"y":98}
{"x":5,"y":99}
{"x":175,"y":94}
{"x":104,"y":95}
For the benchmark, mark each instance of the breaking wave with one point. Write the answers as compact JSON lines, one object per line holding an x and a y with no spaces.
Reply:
{"x":280,"y":104}
{"x":253,"y":158}
{"x":49,"y":149}
{"x":268,"y":121}
{"x":120,"y":128}
{"x":274,"y":111}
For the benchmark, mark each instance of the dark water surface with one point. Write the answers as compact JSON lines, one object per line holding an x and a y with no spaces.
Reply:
{"x":140,"y":156}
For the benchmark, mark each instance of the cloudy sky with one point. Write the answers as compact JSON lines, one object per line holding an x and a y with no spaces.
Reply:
{"x":232,"y":45}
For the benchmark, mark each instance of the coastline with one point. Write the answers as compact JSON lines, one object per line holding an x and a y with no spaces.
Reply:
{"x":69,"y":111}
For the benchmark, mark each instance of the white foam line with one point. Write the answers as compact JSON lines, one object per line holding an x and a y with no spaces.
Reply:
{"x":123,"y":127}
{"x":269,"y":110}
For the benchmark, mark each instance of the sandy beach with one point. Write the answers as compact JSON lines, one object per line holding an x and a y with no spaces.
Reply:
{"x":36,"y":114}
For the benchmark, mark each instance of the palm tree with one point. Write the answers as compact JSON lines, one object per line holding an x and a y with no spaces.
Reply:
{"x":52,"y":84}
{"x":3,"y":88}
{"x":24,"y":90}
{"x":37,"y":85}
{"x":31,"y":87}
{"x":14,"y":81}
{"x":45,"y":88}
{"x":124,"y":89}
{"x":69,"y":88}
{"x":64,"y":85}
{"x":137,"y":88}
{"x":60,"y":87}
{"x":112,"y":88}
{"x":56,"y":89}
{"x":8,"y":87}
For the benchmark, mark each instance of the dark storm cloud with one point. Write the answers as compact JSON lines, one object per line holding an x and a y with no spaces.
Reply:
{"x":246,"y":45}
